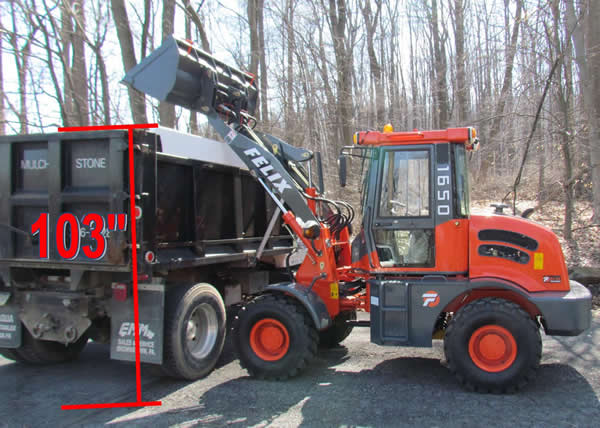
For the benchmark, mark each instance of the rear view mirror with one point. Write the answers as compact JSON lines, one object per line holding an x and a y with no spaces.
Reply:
{"x":342,"y":160}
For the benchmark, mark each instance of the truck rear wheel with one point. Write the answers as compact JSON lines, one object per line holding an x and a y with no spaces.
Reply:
{"x":36,"y":351}
{"x":195,"y":323}
{"x":275,"y":337}
{"x":10,"y":354}
{"x":338,"y":331}
{"x":492,"y":345}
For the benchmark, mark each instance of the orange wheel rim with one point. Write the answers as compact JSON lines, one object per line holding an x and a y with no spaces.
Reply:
{"x":269,"y":339}
{"x":492,"y":348}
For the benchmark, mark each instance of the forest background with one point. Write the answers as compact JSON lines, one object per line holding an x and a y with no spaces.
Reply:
{"x":525,"y":73}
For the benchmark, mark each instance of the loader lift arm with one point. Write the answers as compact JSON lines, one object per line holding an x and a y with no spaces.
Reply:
{"x":184,"y":75}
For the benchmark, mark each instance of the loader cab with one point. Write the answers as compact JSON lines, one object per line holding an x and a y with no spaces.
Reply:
{"x":415,"y":202}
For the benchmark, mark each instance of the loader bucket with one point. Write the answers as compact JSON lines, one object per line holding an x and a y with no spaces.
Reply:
{"x":181,"y":74}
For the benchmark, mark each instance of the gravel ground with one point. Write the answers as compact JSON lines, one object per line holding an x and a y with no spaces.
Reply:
{"x":358,"y":384}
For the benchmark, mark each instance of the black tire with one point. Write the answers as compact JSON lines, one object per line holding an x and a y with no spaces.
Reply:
{"x":201,"y":307}
{"x":338,"y":331}
{"x":501,"y":316}
{"x":11,"y":354}
{"x":302,"y":337}
{"x":42,"y":352}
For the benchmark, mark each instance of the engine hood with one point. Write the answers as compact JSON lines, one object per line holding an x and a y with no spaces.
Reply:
{"x":516,"y":250}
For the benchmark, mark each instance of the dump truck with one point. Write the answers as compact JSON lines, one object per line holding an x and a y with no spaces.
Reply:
{"x":66,"y":246}
{"x":421,"y":264}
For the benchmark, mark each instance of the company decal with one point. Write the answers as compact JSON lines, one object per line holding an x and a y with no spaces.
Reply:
{"x":431,"y":299}
{"x":126,"y":340}
{"x":266,"y":169}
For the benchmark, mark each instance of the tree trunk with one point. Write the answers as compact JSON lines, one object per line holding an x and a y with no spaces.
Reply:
{"x":338,"y":15}
{"x":136,"y":99}
{"x":593,"y":54}
{"x":376,"y":73}
{"x":166,"y":110}
{"x":288,"y":102}
{"x":461,"y":81}
{"x":263,"y":61}
{"x":564,"y":88}
{"x":66,"y":30}
{"x":441,"y":107}
{"x":79,"y":69}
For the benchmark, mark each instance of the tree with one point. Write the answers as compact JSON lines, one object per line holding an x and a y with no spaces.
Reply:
{"x":167,"y":110}
{"x":376,"y":71}
{"x":136,"y":99}
{"x":593,"y":54}
{"x":337,"y":13}
{"x":461,"y":80}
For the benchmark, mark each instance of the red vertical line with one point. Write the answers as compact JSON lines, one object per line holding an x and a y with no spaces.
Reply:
{"x":136,"y":313}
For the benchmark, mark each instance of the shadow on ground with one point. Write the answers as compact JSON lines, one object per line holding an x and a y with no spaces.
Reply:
{"x":401,"y":391}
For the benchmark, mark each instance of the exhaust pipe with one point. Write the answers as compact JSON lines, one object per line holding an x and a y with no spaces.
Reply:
{"x":181,"y":74}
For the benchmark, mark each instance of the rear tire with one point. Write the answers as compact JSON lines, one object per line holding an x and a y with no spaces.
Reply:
{"x":10,"y":354}
{"x":194,"y":335}
{"x":338,"y":331}
{"x":41,"y":352}
{"x":275,"y":337}
{"x":492,"y":345}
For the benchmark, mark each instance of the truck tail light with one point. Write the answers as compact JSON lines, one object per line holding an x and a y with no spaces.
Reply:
{"x":149,"y":257}
{"x":119,"y":292}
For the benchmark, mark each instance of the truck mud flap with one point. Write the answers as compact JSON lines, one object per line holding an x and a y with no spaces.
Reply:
{"x":10,"y":327}
{"x":151,"y":298}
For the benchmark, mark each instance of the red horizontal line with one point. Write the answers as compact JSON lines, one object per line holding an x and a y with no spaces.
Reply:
{"x":110,"y":405}
{"x":107,"y":127}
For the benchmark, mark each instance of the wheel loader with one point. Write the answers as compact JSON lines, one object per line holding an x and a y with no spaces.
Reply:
{"x":420,"y":264}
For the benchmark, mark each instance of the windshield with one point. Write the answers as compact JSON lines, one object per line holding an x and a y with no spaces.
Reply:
{"x":462,"y":180}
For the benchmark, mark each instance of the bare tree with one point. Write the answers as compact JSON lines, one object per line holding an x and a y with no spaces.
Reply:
{"x":593,"y":54}
{"x":376,"y":71}
{"x":21,"y":47}
{"x":338,"y":19}
{"x":136,"y":99}
{"x":461,"y":80}
{"x":166,"y":110}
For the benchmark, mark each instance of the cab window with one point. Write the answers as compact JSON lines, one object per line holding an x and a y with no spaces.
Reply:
{"x":405,"y":184}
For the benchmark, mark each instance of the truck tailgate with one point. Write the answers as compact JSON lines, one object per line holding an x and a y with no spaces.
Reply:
{"x":78,"y":173}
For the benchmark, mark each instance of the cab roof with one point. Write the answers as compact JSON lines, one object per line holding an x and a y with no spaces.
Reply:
{"x":466,"y":136}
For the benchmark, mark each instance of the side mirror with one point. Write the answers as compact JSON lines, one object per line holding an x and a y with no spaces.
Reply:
{"x":342,"y":165}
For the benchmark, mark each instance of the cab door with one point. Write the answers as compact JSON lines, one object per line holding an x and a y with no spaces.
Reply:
{"x":414,"y":227}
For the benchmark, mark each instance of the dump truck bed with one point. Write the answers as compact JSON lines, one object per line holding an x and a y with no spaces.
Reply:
{"x":191,"y":212}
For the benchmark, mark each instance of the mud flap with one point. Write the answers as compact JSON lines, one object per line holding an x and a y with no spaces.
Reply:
{"x":10,"y":327}
{"x":151,"y":298}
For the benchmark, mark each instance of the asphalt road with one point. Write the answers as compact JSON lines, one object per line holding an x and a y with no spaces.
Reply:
{"x":358,"y":384}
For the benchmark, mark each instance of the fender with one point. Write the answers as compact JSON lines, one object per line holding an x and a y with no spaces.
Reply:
{"x":562,"y":313}
{"x":313,"y":304}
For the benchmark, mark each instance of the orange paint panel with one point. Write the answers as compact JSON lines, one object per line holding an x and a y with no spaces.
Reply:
{"x":529,"y":275}
{"x":413,"y":137}
{"x":452,"y":246}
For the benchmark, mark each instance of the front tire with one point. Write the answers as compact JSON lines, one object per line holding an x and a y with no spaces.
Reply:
{"x":275,"y":337}
{"x":493,"y":345}
{"x":195,"y":324}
